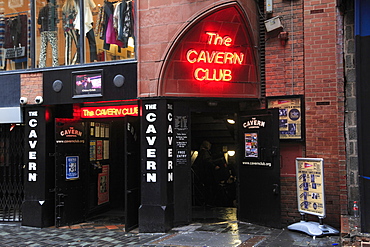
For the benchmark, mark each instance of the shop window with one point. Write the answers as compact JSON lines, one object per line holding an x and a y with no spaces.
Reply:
{"x":14,"y":39}
{"x":107,"y":29}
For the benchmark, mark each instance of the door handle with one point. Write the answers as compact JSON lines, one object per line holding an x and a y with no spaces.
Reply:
{"x":275,"y":189}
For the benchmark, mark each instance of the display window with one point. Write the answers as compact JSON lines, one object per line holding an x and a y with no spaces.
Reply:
{"x":66,"y":32}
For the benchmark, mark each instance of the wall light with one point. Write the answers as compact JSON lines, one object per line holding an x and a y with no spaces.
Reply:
{"x":230,"y":121}
{"x":231,"y":153}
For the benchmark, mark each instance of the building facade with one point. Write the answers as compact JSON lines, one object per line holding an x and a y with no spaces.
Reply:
{"x":116,"y":120}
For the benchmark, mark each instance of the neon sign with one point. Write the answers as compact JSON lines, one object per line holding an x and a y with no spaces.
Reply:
{"x":109,"y":111}
{"x":214,"y":57}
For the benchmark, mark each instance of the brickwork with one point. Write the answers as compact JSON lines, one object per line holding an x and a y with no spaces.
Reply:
{"x":284,"y":62}
{"x":31,"y":86}
{"x":310,"y":64}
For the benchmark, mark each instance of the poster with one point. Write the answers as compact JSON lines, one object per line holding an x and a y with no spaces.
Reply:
{"x":106,"y":150}
{"x":97,"y":129}
{"x":310,"y":186}
{"x":72,"y":168}
{"x":99,"y":150}
{"x":92,"y":150}
{"x":251,"y":145}
{"x":103,"y":185}
{"x":181,"y":139}
{"x":290,"y":117}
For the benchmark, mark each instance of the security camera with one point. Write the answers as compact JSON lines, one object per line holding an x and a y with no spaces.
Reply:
{"x":23,"y":100}
{"x":39,"y":100}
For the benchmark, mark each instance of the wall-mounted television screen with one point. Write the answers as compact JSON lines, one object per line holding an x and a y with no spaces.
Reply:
{"x":87,"y":83}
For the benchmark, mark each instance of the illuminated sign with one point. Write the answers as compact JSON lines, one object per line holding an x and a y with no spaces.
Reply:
{"x":109,"y":111}
{"x":214,"y":57}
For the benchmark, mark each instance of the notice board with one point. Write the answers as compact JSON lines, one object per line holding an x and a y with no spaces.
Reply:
{"x":310,"y":186}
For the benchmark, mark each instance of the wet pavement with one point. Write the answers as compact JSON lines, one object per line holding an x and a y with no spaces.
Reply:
{"x":205,"y":231}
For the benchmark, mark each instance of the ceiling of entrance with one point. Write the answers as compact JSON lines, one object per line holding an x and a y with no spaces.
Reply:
{"x":214,"y":128}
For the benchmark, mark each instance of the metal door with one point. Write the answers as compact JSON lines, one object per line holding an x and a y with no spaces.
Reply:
{"x":132,"y":172}
{"x":259,"y":168}
{"x":70,"y":172}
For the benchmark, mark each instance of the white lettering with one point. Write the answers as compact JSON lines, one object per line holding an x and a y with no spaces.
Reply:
{"x":170,"y":140}
{"x":170,"y":165}
{"x":32,"y":144}
{"x":151,"y":129}
{"x":32,"y":134}
{"x":169,"y":129}
{"x":32,"y":155}
{"x":32,"y":177}
{"x":32,"y":166}
{"x":170,"y":177}
{"x":151,"y":177}
{"x":150,"y":153}
{"x":32,"y":123}
{"x":169,"y":152}
{"x":151,"y":165}
{"x":151,"y":140}
{"x":151,"y":117}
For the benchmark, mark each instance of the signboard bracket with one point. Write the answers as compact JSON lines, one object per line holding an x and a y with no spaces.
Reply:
{"x":313,"y":228}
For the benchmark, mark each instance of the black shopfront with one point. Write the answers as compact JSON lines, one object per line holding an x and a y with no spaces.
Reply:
{"x":82,"y":147}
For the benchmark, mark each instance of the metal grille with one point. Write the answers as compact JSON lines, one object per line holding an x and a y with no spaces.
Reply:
{"x":11,"y":172}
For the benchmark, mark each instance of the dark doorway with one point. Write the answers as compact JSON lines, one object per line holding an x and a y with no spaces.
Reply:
{"x":107,"y":150}
{"x":229,"y":174}
{"x":213,"y":164}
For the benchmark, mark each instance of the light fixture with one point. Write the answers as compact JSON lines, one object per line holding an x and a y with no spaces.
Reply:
{"x":230,"y":121}
{"x":231,"y":153}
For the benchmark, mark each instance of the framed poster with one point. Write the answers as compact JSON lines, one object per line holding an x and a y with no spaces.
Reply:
{"x":106,"y":149}
{"x":72,"y":168}
{"x":251,"y":145}
{"x":290,"y":116}
{"x":99,"y":150}
{"x":103,"y":185}
{"x":92,"y":150}
{"x":310,"y":186}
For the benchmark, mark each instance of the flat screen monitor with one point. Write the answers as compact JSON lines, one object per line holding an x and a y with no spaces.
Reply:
{"x":87,"y":83}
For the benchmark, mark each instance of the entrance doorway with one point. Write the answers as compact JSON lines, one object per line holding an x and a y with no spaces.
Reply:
{"x":97,"y":171}
{"x":235,"y":165}
{"x":213,"y":145}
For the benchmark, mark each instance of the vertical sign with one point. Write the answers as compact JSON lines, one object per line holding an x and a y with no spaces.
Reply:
{"x":33,"y":117}
{"x":170,"y":142}
{"x":181,"y":138}
{"x":310,"y":186}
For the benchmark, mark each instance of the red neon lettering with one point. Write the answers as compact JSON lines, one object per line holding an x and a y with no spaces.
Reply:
{"x":219,"y":57}
{"x":109,"y":111}
{"x":201,"y":74}
{"x":215,"y":39}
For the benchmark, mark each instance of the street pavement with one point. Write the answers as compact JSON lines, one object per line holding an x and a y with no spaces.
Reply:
{"x":218,"y":232}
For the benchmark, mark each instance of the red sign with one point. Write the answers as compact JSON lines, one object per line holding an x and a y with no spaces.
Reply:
{"x":216,"y":57}
{"x":109,"y":111}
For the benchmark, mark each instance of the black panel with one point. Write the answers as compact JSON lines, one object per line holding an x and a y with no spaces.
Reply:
{"x":110,"y":90}
{"x":363,"y":118}
{"x":259,"y":169}
{"x":10,"y":86}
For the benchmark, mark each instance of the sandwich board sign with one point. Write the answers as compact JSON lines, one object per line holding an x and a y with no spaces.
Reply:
{"x":311,"y":196}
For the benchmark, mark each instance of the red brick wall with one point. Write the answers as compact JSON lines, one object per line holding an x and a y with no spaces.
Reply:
{"x":310,"y":64}
{"x":31,"y":86}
